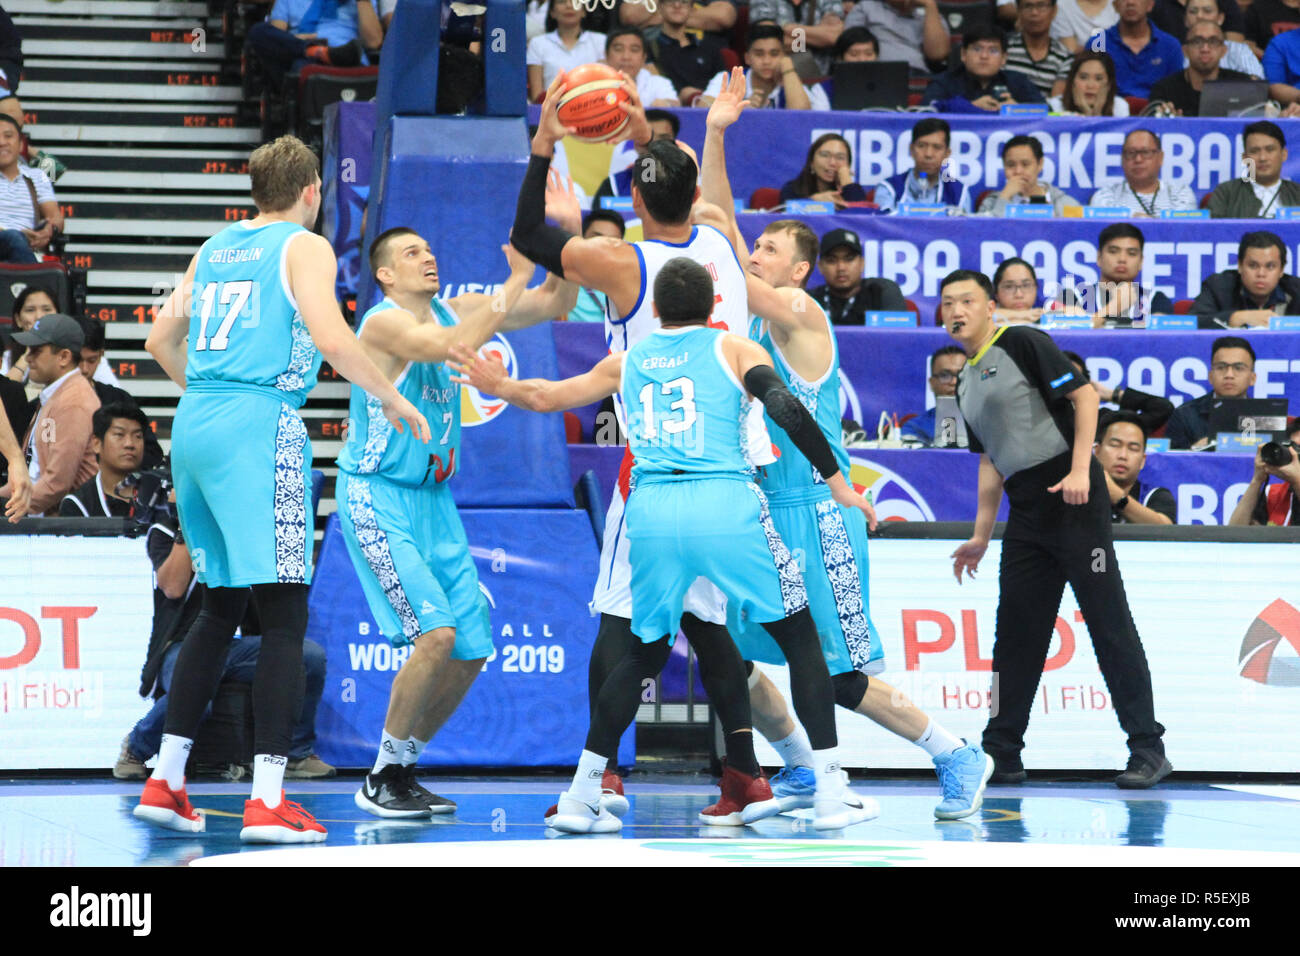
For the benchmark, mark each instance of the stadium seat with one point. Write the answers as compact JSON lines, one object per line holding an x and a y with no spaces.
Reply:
{"x":14,"y":278}
{"x":961,"y":17}
{"x":740,"y":32}
{"x":914,"y":99}
{"x":317,"y":87}
{"x":1183,"y":307}
{"x":911,"y":306}
{"x":765,"y":197}
{"x":1205,"y":200}
{"x":1136,"y":104}
{"x":572,"y":429}
{"x":731,"y":59}
{"x":980,"y":198}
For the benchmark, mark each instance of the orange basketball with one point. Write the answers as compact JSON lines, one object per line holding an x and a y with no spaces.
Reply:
{"x":590,"y":102}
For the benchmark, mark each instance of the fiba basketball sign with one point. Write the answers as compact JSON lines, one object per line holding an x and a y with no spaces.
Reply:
{"x":475,"y":407}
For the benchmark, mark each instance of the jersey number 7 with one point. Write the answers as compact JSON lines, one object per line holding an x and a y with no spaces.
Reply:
{"x":232,"y":296}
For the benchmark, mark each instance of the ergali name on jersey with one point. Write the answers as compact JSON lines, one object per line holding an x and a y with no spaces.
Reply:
{"x":668,"y":362}
{"x":229,"y":256}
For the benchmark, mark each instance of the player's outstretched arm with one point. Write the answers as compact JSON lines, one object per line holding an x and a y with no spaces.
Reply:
{"x":171,"y":325}
{"x":537,"y":394}
{"x":19,"y":488}
{"x":753,"y":366}
{"x":480,"y":315}
{"x":555,"y":297}
{"x":312,"y":269}
{"x":715,"y":187}
{"x":788,"y":310}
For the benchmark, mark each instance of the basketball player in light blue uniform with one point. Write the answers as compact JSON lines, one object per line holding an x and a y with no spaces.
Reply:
{"x":244,"y":336}
{"x":694,"y":511}
{"x":831,"y":538}
{"x":395,"y":505}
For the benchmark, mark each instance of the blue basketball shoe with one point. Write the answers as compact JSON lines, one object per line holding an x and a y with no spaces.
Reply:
{"x":794,"y":787}
{"x":963,"y":775}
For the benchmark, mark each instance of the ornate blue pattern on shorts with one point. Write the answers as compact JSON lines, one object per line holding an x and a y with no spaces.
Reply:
{"x":794,"y":596}
{"x":377,"y":433}
{"x":374,"y":545}
{"x":290,"y":499}
{"x":301,"y":356}
{"x":846,"y":583}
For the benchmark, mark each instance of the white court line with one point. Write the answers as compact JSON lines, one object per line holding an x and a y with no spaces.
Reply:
{"x":1263,"y":790}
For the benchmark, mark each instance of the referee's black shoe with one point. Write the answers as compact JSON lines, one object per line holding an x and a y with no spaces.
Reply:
{"x":1007,"y":769}
{"x":386,"y":794}
{"x":431,"y":800}
{"x":1145,"y":769}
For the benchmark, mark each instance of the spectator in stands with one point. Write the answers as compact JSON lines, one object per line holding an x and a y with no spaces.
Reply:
{"x":855,"y":45}
{"x":1122,"y":451}
{"x":1015,"y":288}
{"x":715,"y":18}
{"x":1118,"y":299}
{"x":663,"y":125}
{"x":32,"y":303}
{"x":92,"y":360}
{"x":1033,"y":50}
{"x":827,"y":174}
{"x":846,"y":296}
{"x":591,"y":302}
{"x":29,"y":214}
{"x":1266,"y":504}
{"x":1238,"y":55}
{"x":771,"y":80}
{"x":911,"y":31}
{"x":59,"y":439}
{"x":1141,"y":190}
{"x":1080,"y":24}
{"x":1282,"y":67}
{"x":1022,"y":164}
{"x":1204,"y":47}
{"x":688,"y":59}
{"x":981,"y":82}
{"x":118,"y":444}
{"x":11,"y":53}
{"x":300,"y":31}
{"x":178,"y":597}
{"x":1261,"y":190}
{"x":566,"y":47}
{"x":1152,"y":410}
{"x":1090,"y":88}
{"x":1252,"y":293}
{"x":810,"y":26}
{"x":1232,"y":375}
{"x":1268,"y":19}
{"x":945,"y":365}
{"x":625,"y":50}
{"x":1143,"y":53}
{"x":928,"y":181}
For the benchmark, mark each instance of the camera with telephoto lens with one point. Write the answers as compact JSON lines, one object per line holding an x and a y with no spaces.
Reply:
{"x":1276,"y":454}
{"x":149,"y":502}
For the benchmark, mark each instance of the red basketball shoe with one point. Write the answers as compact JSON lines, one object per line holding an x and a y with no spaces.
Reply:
{"x":164,"y":807}
{"x":744,"y":799}
{"x":286,"y":823}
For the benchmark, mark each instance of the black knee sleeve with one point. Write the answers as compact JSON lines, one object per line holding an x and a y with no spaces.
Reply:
{"x":850,"y":688}
{"x":811,"y":691}
{"x":202,"y":659}
{"x":614,"y":641}
{"x":620,"y":695}
{"x":278,"y":684}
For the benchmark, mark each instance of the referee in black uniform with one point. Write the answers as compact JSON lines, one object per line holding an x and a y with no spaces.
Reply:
{"x":1033,"y":419}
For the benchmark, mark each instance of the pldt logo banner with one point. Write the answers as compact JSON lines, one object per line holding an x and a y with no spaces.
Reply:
{"x":1276,"y":629}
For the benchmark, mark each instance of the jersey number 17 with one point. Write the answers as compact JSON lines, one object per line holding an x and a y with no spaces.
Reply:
{"x":232,"y":297}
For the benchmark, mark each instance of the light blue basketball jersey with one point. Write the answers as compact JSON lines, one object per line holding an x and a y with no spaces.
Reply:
{"x":685,"y":407}
{"x":244,"y":323}
{"x":373,"y":446}
{"x":822,"y":399}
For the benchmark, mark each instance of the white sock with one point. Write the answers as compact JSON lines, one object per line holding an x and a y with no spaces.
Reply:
{"x":268,"y":779}
{"x":826,"y":767}
{"x":937,"y":742}
{"x":390,"y":751}
{"x":586,"y":780}
{"x":173,"y":752}
{"x":411,"y":752}
{"x":795,"y":749}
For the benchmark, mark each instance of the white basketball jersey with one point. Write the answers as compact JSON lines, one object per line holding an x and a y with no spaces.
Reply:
{"x":711,"y":249}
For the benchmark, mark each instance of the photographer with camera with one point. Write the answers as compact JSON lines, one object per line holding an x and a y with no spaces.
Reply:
{"x":117,"y":439}
{"x":1279,"y":504}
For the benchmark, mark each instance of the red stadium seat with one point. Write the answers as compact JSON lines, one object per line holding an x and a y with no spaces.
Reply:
{"x":980,"y":198}
{"x":731,"y":59}
{"x":572,"y":428}
{"x":740,"y":32}
{"x":1183,"y":307}
{"x":765,"y":197}
{"x":911,"y":306}
{"x":914,"y":99}
{"x":1136,"y":104}
{"x":1205,"y":200}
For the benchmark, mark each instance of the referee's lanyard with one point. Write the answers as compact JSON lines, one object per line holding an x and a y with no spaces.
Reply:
{"x":1263,"y":213}
{"x":1150,"y":211}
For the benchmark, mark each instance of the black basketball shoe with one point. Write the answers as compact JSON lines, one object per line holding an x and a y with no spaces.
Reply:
{"x":432,"y":801}
{"x":386,"y":794}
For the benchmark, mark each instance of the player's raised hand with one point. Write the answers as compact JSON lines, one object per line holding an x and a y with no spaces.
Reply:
{"x":967,"y":558}
{"x":485,"y":374}
{"x":402,"y":412}
{"x":730,"y":101}
{"x":520,"y":264}
{"x":549,"y":127}
{"x":638,"y":128}
{"x":844,"y":494}
{"x":562,"y":205}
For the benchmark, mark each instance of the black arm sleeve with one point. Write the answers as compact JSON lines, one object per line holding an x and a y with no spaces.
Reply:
{"x":788,"y":412}
{"x":531,"y":234}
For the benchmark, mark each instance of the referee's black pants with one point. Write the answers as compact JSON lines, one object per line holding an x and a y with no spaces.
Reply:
{"x":1046,"y":544}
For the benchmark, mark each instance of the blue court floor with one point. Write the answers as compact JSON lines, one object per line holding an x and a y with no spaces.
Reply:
{"x":499,"y":821}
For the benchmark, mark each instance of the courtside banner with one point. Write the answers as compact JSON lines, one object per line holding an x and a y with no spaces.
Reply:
{"x":1220,"y":623}
{"x":528,"y":708}
{"x":75,"y":615}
